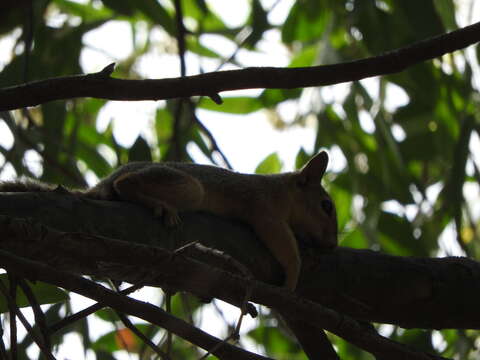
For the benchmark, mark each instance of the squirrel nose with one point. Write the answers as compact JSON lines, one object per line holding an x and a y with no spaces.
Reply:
{"x":331,"y":241}
{"x":331,"y":245}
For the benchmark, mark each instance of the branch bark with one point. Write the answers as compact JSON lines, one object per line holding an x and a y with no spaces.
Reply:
{"x":143,"y":310}
{"x":155,"y":265}
{"x":363,"y":284}
{"x":100,"y":85}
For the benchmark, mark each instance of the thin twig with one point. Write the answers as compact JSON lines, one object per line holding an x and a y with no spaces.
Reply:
{"x":27,"y":38}
{"x":235,"y":334}
{"x":11,"y":297}
{"x":175,"y":139}
{"x":3,"y":349}
{"x":37,"y":312}
{"x":20,"y":135}
{"x":210,"y":136}
{"x":140,"y":309}
{"x":168,"y":308}
{"x":183,"y":248}
{"x":23,"y":320}
{"x":126,"y":321}
{"x":88,"y":311}
{"x":181,"y":32}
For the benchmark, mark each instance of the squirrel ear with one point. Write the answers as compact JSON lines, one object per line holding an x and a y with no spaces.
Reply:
{"x":313,"y":171}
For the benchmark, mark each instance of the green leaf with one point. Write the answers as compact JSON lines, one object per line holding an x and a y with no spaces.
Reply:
{"x":305,"y":58}
{"x":140,"y":150}
{"x":396,"y":236}
{"x":87,"y":11}
{"x":345,"y":350}
{"x":153,"y":10}
{"x":446,"y":10}
{"x":452,"y":193}
{"x":353,"y":239}
{"x":259,"y":22}
{"x":13,"y":14}
{"x":301,"y":159}
{"x":107,"y":314}
{"x":163,"y":125}
{"x":306,"y":21}
{"x":123,"y":7}
{"x":94,"y":160}
{"x":112,"y":341}
{"x":270,"y":165}
{"x":276,"y":344}
{"x":423,"y":18}
{"x":106,"y":343}
{"x":233,"y":105}
{"x":417,"y":338}
{"x":184,"y":305}
{"x":44,"y":293}
{"x":207,"y":20}
{"x":199,"y":140}
{"x":272,"y":97}
{"x":343,"y":205}
{"x":196,"y":47}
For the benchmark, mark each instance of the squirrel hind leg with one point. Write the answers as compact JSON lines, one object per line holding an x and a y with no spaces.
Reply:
{"x":164,"y":190}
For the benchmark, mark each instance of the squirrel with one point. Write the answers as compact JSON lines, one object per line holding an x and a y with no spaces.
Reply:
{"x":275,"y":205}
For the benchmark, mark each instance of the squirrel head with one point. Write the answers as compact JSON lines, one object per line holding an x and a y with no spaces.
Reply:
{"x":313,"y":214}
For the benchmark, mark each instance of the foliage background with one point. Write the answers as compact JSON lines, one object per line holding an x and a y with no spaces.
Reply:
{"x":405,"y":174}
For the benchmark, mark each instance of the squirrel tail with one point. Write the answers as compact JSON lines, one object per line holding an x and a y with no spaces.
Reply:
{"x":29,"y":185}
{"x":24,"y":186}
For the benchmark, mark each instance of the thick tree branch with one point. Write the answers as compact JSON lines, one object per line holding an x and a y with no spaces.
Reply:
{"x":367,"y":285}
{"x":153,"y":264}
{"x":123,"y":260}
{"x":100,"y":85}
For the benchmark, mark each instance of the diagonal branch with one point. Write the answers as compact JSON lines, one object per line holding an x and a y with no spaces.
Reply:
{"x":39,"y":316}
{"x":314,"y":341}
{"x":154,"y":263}
{"x":36,"y":270}
{"x":100,"y":85}
{"x":71,"y":319}
{"x":11,"y":303}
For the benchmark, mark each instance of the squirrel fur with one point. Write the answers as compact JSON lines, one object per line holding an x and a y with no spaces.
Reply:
{"x":276,"y":205}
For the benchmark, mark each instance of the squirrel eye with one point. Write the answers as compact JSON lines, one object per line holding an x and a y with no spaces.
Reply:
{"x":327,"y":206}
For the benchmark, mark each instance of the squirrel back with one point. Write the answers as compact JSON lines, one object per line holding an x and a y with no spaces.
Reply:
{"x":194,"y":186}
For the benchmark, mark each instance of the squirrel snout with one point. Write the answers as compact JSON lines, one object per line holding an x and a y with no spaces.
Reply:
{"x":329,"y":240}
{"x":330,"y":245}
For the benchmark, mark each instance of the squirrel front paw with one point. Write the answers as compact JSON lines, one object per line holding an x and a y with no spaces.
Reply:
{"x":168,"y":214}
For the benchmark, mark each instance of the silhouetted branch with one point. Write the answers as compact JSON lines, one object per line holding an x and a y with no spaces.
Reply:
{"x":154,"y":264}
{"x":364,"y":284}
{"x":100,"y":85}
{"x":36,"y":270}
{"x":12,"y":305}
{"x":71,"y":319}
